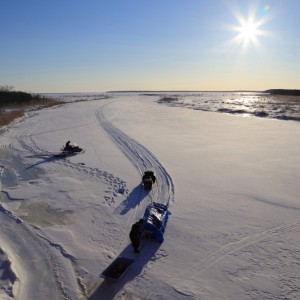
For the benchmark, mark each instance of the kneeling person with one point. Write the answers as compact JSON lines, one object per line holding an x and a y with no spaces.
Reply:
{"x":136,"y":234}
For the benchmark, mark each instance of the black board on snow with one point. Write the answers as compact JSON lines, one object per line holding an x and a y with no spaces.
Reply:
{"x":117,"y":268}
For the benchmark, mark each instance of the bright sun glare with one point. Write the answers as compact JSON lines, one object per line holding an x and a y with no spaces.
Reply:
{"x":248,"y":30}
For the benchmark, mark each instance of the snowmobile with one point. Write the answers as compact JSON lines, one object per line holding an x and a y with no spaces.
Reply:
{"x":70,"y":149}
{"x":148,"y":179}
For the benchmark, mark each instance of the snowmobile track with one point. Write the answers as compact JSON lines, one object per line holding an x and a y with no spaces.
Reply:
{"x":233,"y":247}
{"x":141,"y":158}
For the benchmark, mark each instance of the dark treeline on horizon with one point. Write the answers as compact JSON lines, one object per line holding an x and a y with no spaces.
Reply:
{"x":9,"y":97}
{"x":283,"y":92}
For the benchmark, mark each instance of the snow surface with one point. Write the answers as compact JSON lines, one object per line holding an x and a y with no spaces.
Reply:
{"x":231,"y":183}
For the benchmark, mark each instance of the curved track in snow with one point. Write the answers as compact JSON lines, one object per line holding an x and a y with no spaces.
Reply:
{"x":162,"y":192}
{"x":141,"y":158}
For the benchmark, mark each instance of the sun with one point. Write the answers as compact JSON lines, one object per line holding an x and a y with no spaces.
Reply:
{"x":248,"y":32}
{"x":248,"y":29}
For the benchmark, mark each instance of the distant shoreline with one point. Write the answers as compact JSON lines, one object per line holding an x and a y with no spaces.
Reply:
{"x":287,"y":92}
{"x":182,"y":91}
{"x":283,"y":92}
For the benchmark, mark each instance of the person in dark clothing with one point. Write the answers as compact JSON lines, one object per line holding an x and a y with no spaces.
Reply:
{"x":148,"y":180}
{"x":136,"y":235}
{"x":149,"y":175}
{"x":67,"y":147}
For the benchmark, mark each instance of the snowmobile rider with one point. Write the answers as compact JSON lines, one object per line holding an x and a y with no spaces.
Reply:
{"x":136,"y":235}
{"x":67,"y":147}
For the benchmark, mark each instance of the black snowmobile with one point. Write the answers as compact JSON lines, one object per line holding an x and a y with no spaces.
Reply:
{"x":148,"y":180}
{"x":70,"y":149}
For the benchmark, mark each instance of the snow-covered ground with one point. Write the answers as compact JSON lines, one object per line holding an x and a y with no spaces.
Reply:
{"x":231,"y":183}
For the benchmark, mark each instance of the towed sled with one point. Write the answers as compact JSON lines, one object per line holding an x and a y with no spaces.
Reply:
{"x":155,"y":221}
{"x":117,"y":268}
{"x":148,"y":179}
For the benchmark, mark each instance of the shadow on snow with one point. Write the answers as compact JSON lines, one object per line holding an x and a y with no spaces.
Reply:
{"x":134,"y":199}
{"x":108,"y":289}
{"x":51,"y":158}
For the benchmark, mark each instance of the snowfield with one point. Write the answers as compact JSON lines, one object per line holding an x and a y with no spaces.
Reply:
{"x":230,"y":182}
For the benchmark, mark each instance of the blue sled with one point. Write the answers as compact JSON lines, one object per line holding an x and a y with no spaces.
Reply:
{"x":155,"y":221}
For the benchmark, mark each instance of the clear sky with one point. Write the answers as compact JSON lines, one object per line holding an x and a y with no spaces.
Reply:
{"x":104,"y":45}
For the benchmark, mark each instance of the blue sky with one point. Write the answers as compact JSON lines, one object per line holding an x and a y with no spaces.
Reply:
{"x":97,"y":45}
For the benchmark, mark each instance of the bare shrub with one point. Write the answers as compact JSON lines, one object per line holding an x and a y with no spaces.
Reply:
{"x":8,"y":117}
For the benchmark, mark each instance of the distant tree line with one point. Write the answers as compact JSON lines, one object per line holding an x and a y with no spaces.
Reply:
{"x":9,"y":97}
{"x":283,"y":92}
{"x":14,"y":104}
